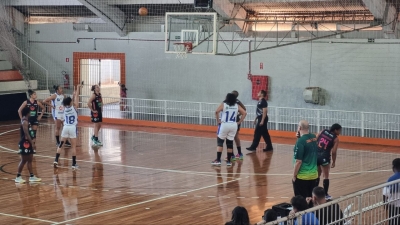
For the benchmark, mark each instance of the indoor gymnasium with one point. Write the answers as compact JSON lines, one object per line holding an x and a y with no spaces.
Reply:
{"x":231,"y":112}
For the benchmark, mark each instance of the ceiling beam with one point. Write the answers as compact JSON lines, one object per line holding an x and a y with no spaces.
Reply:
{"x":229,"y":10}
{"x":41,"y":2}
{"x":110,"y":14}
{"x":384,"y":13}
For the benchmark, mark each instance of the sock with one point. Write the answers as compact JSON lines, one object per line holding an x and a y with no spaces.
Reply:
{"x":73,"y":160}
{"x":219,"y":156}
{"x":96,"y":138}
{"x":239,"y":150}
{"x":58,"y":139}
{"x":326,"y":186}
{"x":57,"y":156}
{"x":18,"y":174}
{"x":317,"y":181}
{"x":230,"y":154}
{"x":32,"y":175}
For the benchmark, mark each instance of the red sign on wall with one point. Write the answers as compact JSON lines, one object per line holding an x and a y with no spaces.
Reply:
{"x":261,"y":66}
{"x":66,"y":59}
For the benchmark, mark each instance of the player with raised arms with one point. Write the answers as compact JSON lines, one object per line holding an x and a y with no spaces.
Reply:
{"x":70,"y":122}
{"x":55,"y":102}
{"x":227,"y":126}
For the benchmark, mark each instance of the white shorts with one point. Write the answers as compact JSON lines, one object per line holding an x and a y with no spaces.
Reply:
{"x":227,"y":131}
{"x":58,"y":115}
{"x":69,"y":132}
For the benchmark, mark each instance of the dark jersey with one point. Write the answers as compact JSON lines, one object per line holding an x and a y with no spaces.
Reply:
{"x":261,"y":104}
{"x":326,"y":141}
{"x":34,"y":107}
{"x":238,"y":116}
{"x":97,"y":102}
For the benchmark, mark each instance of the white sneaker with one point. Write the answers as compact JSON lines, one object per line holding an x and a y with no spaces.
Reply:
{"x":55,"y":164}
{"x":19,"y":180}
{"x":34,"y":179}
{"x":76,"y":167}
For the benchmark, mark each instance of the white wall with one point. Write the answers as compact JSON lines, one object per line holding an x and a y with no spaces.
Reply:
{"x":359,"y":77}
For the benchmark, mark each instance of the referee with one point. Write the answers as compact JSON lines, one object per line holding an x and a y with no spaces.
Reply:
{"x":261,"y":122}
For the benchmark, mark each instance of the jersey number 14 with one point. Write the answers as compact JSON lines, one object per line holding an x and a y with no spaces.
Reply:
{"x":232,"y":118}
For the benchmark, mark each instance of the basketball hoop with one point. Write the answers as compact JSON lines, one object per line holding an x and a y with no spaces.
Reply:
{"x":182,"y":49}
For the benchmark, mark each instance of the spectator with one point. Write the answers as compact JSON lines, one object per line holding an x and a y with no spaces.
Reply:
{"x":123,"y":97}
{"x":300,"y":204}
{"x":305,"y":172}
{"x":269,"y":216}
{"x":328,"y":214}
{"x":391,"y":194}
{"x":239,"y":217}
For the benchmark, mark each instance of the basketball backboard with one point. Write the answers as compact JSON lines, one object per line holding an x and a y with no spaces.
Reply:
{"x":200,"y":29}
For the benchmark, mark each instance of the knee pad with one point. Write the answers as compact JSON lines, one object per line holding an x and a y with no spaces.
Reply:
{"x":32,"y":133}
{"x":61,"y":144}
{"x":220,"y":142}
{"x":229,"y":144}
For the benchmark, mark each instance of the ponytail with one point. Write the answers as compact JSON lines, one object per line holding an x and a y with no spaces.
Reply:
{"x":56,"y":87}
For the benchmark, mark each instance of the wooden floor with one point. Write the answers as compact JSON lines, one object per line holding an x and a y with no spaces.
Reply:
{"x":157,"y":176}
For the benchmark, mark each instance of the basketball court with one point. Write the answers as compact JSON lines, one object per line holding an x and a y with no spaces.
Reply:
{"x":151,"y":176}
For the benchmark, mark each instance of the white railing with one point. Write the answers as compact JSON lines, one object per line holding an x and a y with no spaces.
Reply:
{"x":362,"y":124}
{"x":364,"y":207}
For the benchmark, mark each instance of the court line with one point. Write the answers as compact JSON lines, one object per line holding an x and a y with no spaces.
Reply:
{"x":185,"y":171}
{"x":144,"y":202}
{"x":28,"y":218}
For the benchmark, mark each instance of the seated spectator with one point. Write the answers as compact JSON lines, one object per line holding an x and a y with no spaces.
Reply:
{"x":239,"y":217}
{"x":329,"y":214}
{"x":391,"y":194}
{"x":269,"y":216}
{"x":300,"y":204}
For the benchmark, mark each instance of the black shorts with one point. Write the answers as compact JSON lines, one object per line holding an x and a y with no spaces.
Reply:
{"x":97,"y":117}
{"x":25,"y":148}
{"x":33,"y":121}
{"x":238,"y":129}
{"x":323,"y":160}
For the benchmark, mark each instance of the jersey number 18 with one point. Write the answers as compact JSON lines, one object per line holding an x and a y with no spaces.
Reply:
{"x":70,"y":119}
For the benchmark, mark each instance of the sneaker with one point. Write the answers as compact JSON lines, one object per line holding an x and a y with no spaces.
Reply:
{"x":328,"y":197}
{"x":75,"y":167}
{"x":239,"y":156}
{"x":55,"y":164}
{"x":19,"y":180}
{"x":67,"y":144}
{"x":267,"y":149}
{"x":232,"y":159}
{"x":98,"y":143}
{"x":92,"y":138}
{"x":216,"y":163}
{"x":228,"y":164}
{"x":57,"y":145}
{"x":34,"y":179}
{"x":251,"y":149}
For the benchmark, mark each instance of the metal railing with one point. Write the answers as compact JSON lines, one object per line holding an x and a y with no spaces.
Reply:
{"x":361,"y":124}
{"x":376,"y":205}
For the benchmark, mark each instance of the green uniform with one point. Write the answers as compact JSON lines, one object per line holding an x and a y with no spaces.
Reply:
{"x":306,"y":151}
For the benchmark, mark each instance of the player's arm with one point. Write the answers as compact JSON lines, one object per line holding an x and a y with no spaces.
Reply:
{"x":41,"y":106}
{"x":89,"y":104}
{"x":25,"y":125}
{"x":241,"y":105}
{"x":298,"y":155}
{"x":243,"y":113}
{"x":48,"y":100}
{"x":217,"y":112}
{"x":76,"y":96}
{"x":334,"y":152}
{"x":20,"y":109}
{"x":264,"y":115}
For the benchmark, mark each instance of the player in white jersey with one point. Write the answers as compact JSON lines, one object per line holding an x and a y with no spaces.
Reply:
{"x":227,"y":126}
{"x":70,"y":129}
{"x":55,"y":102}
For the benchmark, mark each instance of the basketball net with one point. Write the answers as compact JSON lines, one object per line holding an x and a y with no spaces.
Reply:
{"x":182,"y":49}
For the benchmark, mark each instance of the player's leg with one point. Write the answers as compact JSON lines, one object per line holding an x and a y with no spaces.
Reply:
{"x":21,"y":165}
{"x":238,"y":145}
{"x":232,"y":129}
{"x":60,"y":147}
{"x":325,"y":171}
{"x":221,"y":135}
{"x":72,"y":135}
{"x":58,"y":124}
{"x":257,"y":137}
{"x":29,"y":159}
{"x":266,"y":136}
